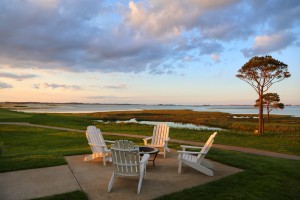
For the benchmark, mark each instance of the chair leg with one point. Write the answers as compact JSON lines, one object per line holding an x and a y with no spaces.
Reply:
{"x":111,"y":182}
{"x":88,"y":158}
{"x":166,"y":149}
{"x":179,"y":166}
{"x":104,"y":160}
{"x":140,"y":183}
{"x":91,"y":157}
{"x":145,"y":170}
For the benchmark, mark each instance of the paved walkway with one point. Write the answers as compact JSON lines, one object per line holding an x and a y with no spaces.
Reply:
{"x":219,"y":146}
{"x":35,"y":183}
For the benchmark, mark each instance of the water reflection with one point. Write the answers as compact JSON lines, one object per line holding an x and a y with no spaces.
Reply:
{"x":170,"y":124}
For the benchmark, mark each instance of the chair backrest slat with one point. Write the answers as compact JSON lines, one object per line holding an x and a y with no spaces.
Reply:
{"x":160,"y":134}
{"x":206,"y":147}
{"x":94,"y":136}
{"x":126,"y":158}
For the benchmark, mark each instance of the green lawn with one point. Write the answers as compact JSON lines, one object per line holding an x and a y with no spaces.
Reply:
{"x":263,"y":177}
{"x":61,"y":120}
{"x":29,"y":147}
{"x":76,"y":195}
{"x":25,"y":147}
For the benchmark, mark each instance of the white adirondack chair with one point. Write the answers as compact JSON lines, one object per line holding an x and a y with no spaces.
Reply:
{"x":196,"y":159}
{"x":97,"y":144}
{"x":126,"y":162}
{"x":159,"y":139}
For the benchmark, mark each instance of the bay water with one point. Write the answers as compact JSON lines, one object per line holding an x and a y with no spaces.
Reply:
{"x":90,"y":108}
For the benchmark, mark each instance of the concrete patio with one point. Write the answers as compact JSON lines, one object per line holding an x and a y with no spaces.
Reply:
{"x":92,"y":177}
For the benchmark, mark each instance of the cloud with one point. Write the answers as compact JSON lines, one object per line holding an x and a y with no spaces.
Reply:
{"x":204,"y":46}
{"x":18,"y":77}
{"x":121,"y":86}
{"x":284,"y":15}
{"x":141,"y":36}
{"x":88,"y":31}
{"x":269,"y":43}
{"x":78,"y":37}
{"x":5,"y":85}
{"x":56,"y":86}
{"x":169,"y":18}
{"x":49,"y":36}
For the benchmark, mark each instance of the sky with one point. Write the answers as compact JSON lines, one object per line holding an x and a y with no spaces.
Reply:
{"x":149,"y":52}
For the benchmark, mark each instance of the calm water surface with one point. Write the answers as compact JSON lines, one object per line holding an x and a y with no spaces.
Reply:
{"x":170,"y":124}
{"x":90,"y":108}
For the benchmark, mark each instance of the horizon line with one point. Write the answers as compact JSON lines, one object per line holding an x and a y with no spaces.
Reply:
{"x":159,"y":104}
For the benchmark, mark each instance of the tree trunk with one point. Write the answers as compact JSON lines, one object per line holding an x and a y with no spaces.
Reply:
{"x":261,"y":115}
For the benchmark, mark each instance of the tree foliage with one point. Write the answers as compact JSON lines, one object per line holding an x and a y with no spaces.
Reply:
{"x":270,"y":101}
{"x":261,"y":73}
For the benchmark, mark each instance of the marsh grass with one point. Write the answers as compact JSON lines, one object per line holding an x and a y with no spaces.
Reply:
{"x":278,"y":123}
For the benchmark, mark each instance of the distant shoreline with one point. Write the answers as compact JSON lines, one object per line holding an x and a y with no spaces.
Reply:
{"x":11,"y":102}
{"x":35,"y":107}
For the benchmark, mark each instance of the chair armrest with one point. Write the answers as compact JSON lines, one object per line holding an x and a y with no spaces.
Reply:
{"x":145,"y":158}
{"x":166,"y":145}
{"x":147,"y":138}
{"x":190,"y":147}
{"x":98,"y":145}
{"x":191,"y":152}
{"x":109,"y":141}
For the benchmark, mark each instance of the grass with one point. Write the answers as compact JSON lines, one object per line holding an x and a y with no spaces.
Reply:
{"x":263,"y":177}
{"x":277,"y":141}
{"x":62,"y":120}
{"x":76,"y":195}
{"x":278,"y":123}
{"x":6,"y":115}
{"x":30,"y":147}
